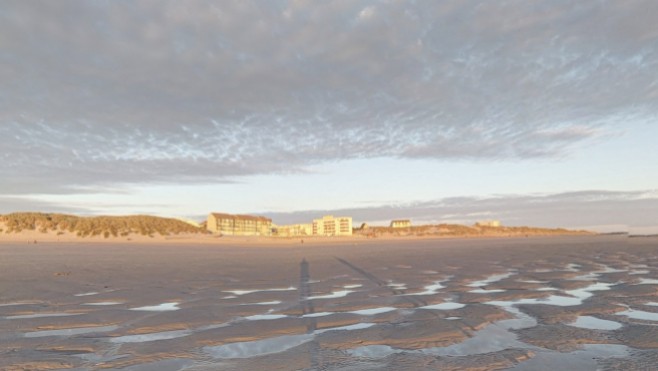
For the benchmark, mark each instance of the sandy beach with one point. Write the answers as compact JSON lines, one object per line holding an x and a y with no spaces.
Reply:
{"x":585,"y":303}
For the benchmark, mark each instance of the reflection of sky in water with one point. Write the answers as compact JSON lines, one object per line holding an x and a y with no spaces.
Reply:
{"x":639,"y":314}
{"x":333,"y":295}
{"x":245,"y":292}
{"x":42,"y":315}
{"x":159,"y":308}
{"x":577,"y":298}
{"x":272,"y":345}
{"x":491,"y":279}
{"x":274,"y":302}
{"x":484,"y":291}
{"x":261,"y":317}
{"x":430,"y":289}
{"x":594,"y":323}
{"x":70,"y":331}
{"x":164,"y":335}
{"x":444,"y":306}
{"x":352,"y":286}
{"x":582,"y":359}
{"x":87,"y":293}
{"x":362,"y":312}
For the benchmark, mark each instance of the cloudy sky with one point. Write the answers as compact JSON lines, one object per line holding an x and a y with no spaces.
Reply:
{"x":541,"y":112}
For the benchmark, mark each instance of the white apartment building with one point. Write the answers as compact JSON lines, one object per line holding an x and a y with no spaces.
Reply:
{"x":332,"y":226}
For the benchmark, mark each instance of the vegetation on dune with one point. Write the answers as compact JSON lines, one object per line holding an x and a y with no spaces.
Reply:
{"x":457,"y":230}
{"x":105,"y":226}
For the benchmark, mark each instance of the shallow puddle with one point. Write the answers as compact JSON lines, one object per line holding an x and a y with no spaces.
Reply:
{"x":87,"y":293}
{"x":582,"y":359}
{"x":274,"y":302}
{"x":483,"y":291}
{"x":278,"y":344}
{"x":245,"y":292}
{"x":352,"y":286}
{"x":20,"y":303}
{"x":70,"y":331}
{"x":373,"y":311}
{"x":361,"y":312}
{"x":639,"y":314}
{"x":648,"y":281}
{"x":430,"y":289}
{"x":577,"y":297}
{"x":265,"y":317}
{"x":103,"y":303}
{"x":491,"y":279}
{"x":163,"y":335}
{"x":42,"y":315}
{"x":141,"y":338}
{"x":594,"y":323}
{"x":164,"y":307}
{"x":444,"y":306}
{"x":333,"y":295}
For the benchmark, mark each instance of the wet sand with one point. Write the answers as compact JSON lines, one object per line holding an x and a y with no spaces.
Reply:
{"x":581,"y":303}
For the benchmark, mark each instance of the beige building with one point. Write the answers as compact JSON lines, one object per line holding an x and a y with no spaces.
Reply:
{"x":332,"y":226}
{"x":239,"y":225}
{"x":401,"y":223}
{"x":488,"y":223}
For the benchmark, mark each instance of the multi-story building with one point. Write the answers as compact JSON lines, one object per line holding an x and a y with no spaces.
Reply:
{"x":332,"y":226}
{"x":239,"y":225}
{"x":401,"y":223}
{"x":488,"y":223}
{"x":294,"y":230}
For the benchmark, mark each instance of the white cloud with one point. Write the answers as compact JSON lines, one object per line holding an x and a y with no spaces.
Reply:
{"x":96,"y":93}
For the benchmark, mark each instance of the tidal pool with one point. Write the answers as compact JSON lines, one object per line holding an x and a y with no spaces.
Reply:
{"x":245,"y":292}
{"x":491,"y":279}
{"x":277,"y":344}
{"x":103,"y":303}
{"x":265,"y":317}
{"x":274,"y":302}
{"x":594,"y":323}
{"x":87,"y":293}
{"x":430,"y":289}
{"x":639,"y":314}
{"x":42,"y":315}
{"x":483,"y":291}
{"x":70,"y":331}
{"x":333,"y":295}
{"x":159,"y":308}
{"x":444,"y":306}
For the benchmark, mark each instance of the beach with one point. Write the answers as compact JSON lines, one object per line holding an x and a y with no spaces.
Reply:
{"x":582,"y":302}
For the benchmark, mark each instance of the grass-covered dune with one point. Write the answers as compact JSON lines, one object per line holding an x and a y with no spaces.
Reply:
{"x":105,"y":226}
{"x":456,"y":230}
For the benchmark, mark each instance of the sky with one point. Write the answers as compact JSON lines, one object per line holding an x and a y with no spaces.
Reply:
{"x":534,"y":113}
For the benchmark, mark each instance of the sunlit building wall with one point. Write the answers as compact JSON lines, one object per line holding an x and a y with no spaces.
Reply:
{"x":239,"y":225}
{"x":332,"y":226}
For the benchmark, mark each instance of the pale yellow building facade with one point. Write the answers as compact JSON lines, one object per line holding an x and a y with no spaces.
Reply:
{"x":488,"y":223}
{"x":239,"y":225}
{"x":400,"y":223}
{"x":294,"y":230}
{"x":332,"y":226}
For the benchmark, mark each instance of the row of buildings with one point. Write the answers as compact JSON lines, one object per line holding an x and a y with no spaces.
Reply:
{"x":248,"y":225}
{"x":328,"y":225}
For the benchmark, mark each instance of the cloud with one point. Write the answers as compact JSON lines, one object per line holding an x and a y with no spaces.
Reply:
{"x":599,"y":210}
{"x":26,"y":204}
{"x":105,"y":93}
